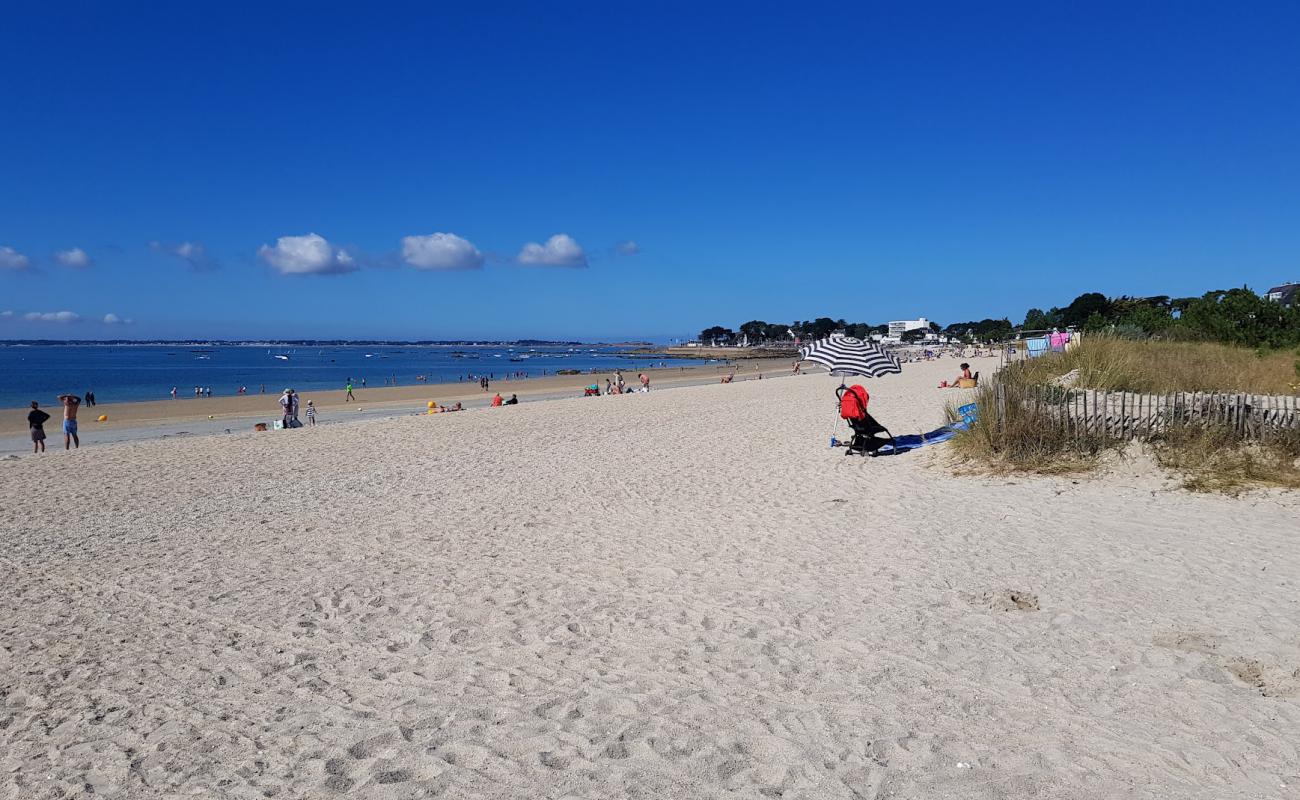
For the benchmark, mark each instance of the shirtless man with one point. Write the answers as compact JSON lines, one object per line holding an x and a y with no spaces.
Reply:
{"x":71,"y":403}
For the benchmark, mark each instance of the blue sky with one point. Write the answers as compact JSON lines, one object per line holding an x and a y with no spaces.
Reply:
{"x":778,"y":161}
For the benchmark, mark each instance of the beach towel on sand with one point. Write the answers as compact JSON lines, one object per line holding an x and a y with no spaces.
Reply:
{"x":903,"y":444}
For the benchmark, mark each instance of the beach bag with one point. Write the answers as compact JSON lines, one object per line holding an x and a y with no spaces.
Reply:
{"x":853,"y":403}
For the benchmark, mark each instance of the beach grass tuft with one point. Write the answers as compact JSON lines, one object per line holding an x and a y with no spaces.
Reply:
{"x":1023,"y":437}
{"x":1116,"y":364}
{"x":1213,"y":459}
{"x":1017,"y":434}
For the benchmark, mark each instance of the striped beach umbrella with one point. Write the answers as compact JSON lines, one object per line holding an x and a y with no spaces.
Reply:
{"x":845,"y":355}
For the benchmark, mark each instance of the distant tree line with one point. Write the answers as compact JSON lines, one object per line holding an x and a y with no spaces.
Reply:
{"x":1231,"y":316}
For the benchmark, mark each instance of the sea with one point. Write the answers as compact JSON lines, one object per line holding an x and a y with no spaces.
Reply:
{"x":129,"y":372}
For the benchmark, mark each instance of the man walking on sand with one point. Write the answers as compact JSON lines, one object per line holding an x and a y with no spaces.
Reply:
{"x":71,"y":403}
{"x":350,"y":397}
{"x":36,"y":422}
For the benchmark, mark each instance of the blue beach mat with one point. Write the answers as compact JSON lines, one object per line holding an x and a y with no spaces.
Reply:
{"x":913,"y":441}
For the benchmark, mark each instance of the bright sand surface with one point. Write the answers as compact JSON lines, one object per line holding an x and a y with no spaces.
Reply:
{"x":680,"y":594}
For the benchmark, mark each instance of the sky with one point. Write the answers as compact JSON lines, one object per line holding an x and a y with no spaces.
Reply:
{"x":609,"y":171}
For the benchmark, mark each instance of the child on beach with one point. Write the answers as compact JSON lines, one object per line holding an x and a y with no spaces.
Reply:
{"x":311,"y":413}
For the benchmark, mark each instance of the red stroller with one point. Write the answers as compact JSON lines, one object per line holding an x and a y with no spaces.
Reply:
{"x":853,"y":410}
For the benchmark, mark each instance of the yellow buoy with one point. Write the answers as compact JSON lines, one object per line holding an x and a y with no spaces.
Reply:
{"x":103,"y":418}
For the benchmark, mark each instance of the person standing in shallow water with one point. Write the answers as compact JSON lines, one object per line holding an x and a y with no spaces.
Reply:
{"x":71,"y":404}
{"x":36,"y":422}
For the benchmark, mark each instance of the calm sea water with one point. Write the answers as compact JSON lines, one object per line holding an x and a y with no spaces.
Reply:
{"x":148,"y":372}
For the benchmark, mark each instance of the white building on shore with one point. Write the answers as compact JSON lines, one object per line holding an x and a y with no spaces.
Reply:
{"x":901,"y":326}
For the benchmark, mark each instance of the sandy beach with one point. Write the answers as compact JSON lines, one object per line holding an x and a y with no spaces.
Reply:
{"x":128,"y":421}
{"x":683,"y":593}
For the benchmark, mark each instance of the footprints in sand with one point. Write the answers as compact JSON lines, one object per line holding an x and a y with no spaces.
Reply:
{"x":1004,"y":600}
{"x":387,"y":759}
{"x":1270,"y":680}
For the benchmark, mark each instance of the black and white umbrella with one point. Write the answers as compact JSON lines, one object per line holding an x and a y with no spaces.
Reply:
{"x":845,"y":355}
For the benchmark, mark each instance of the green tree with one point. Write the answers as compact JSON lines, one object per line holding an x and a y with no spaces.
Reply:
{"x":821,"y":327}
{"x":755,"y":329}
{"x":859,"y":330}
{"x":1084,"y":306}
{"x":1239,"y":316}
{"x":1036,"y":320}
{"x":717,"y":334}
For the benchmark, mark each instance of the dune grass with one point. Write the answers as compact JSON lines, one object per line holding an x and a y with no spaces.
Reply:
{"x":1022,"y":437}
{"x":1212,"y":459}
{"x":1149,"y":366}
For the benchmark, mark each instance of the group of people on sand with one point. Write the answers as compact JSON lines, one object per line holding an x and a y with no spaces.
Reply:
{"x":497,"y":400}
{"x":617,"y":385}
{"x":36,"y":419}
{"x":289,"y":407}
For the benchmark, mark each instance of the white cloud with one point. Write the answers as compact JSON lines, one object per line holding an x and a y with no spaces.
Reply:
{"x":113,"y":319}
{"x":440,"y":251}
{"x":6,"y":314}
{"x":74,"y":257}
{"x":52,"y":316}
{"x":306,"y":255}
{"x":12,"y":259}
{"x":628,"y":248}
{"x":559,"y":251}
{"x":192,"y":253}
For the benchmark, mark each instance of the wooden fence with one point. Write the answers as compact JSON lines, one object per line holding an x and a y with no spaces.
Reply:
{"x":1130,"y":415}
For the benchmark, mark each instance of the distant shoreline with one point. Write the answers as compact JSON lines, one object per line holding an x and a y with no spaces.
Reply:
{"x":717,"y":353}
{"x":309,"y":343}
{"x":236,"y":409}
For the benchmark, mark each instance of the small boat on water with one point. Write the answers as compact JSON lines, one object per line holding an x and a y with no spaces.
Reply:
{"x":282,"y":358}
